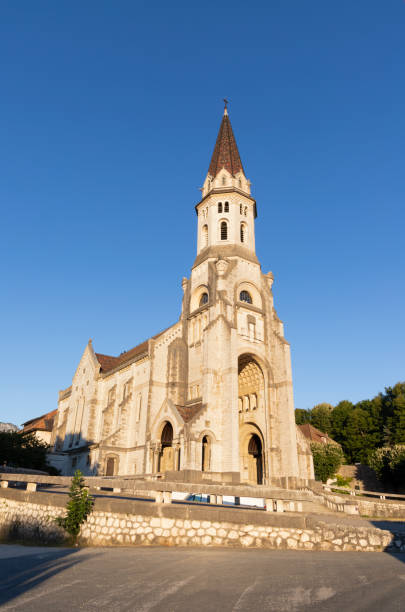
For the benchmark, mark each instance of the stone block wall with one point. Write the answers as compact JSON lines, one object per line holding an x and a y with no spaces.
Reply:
{"x":31,"y":517}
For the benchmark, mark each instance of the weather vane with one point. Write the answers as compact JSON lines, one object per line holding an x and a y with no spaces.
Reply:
{"x":226,"y":102}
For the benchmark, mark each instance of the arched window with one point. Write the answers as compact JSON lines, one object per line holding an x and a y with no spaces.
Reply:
{"x":219,"y":207}
{"x":205,"y":235}
{"x":224,"y":230}
{"x":243,"y":232}
{"x":245,"y":297}
{"x":241,"y":209}
{"x":224,"y":180}
{"x":204,"y":299}
{"x":206,"y":454}
{"x":226,"y":207}
{"x":246,"y":208}
{"x":240,"y":183}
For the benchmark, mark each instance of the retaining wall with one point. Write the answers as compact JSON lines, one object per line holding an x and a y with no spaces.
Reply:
{"x":31,"y":516}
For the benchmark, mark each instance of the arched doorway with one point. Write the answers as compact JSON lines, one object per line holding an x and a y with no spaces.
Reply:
{"x":110,"y":466}
{"x":251,"y":400}
{"x":206,"y":454}
{"x":255,"y":467}
{"x":166,"y":456}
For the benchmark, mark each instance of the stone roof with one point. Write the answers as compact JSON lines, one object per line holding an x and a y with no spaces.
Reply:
{"x":41,"y":423}
{"x":226,"y":154}
{"x":315,"y":435}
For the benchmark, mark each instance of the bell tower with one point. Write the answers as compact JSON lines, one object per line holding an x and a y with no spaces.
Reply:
{"x":227,"y":211}
{"x":238,"y":380}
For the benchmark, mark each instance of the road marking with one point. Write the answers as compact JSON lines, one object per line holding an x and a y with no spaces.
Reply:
{"x":42,"y":592}
{"x":159,"y":597}
{"x":239,"y":604}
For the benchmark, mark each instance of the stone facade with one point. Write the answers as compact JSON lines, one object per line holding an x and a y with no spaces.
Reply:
{"x":213,"y":392}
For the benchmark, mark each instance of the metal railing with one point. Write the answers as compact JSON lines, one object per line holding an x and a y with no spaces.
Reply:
{"x":362,"y":493}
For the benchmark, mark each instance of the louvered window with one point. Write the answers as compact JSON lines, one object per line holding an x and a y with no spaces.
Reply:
{"x":204,"y":299}
{"x":224,"y":230}
{"x":226,"y":206}
{"x":245,"y":297}
{"x":219,"y":207}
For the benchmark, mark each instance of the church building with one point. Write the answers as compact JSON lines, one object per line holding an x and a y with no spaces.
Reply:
{"x":211,"y":394}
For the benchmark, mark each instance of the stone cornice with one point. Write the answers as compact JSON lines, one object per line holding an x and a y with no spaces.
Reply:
{"x":226,"y":190}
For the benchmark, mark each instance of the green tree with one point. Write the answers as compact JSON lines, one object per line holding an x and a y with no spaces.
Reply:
{"x":24,"y":450}
{"x":389,"y":465}
{"x":321,"y":417}
{"x":302,"y":416}
{"x":78,"y":508}
{"x":327,"y":460}
{"x":339,"y":417}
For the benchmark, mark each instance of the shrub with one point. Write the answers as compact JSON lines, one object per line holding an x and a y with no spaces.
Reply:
{"x":388,"y":463}
{"x":78,"y":507}
{"x":341,"y":481}
{"x":327,"y":460}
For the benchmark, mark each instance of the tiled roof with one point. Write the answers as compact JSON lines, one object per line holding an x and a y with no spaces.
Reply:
{"x":226,"y":154}
{"x":41,"y":423}
{"x":188,"y":412}
{"x":108,"y":362}
{"x":315,"y":435}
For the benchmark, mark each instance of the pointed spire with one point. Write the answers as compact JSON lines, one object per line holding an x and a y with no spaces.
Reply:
{"x":226,"y":154}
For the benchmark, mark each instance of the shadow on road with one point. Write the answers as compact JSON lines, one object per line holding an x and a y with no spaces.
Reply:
{"x":19,"y":574}
{"x":397,"y":530}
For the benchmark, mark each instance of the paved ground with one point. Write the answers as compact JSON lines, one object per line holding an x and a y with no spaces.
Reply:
{"x":180,"y":579}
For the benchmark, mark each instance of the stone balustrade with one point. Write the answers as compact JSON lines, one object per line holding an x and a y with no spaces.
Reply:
{"x":275,"y":499}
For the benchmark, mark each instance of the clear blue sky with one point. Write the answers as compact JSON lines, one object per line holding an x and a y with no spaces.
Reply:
{"x":109,"y":114}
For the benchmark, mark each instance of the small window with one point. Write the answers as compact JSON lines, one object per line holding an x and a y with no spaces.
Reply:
{"x":223,"y":180}
{"x":226,"y":207}
{"x":246,"y":208}
{"x":205,"y":235}
{"x":224,"y":230}
{"x":245,"y":297}
{"x":241,"y":209}
{"x":242,"y":232}
{"x":240,"y":183}
{"x":219,"y":207}
{"x":204,"y":299}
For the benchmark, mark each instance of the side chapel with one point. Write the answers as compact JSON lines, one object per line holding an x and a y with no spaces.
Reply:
{"x":213,"y":393}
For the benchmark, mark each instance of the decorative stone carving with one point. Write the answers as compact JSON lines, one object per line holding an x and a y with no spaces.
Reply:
{"x":221,"y":266}
{"x":270,"y":279}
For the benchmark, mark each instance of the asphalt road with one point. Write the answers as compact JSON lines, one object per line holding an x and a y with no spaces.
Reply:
{"x":180,"y":579}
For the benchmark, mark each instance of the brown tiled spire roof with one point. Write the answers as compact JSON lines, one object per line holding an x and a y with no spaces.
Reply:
{"x":226,"y":154}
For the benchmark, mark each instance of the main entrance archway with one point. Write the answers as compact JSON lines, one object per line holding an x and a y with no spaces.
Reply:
{"x":251,"y":406}
{"x":166,"y":461}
